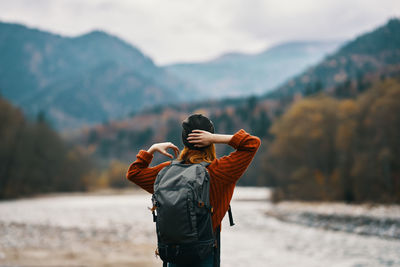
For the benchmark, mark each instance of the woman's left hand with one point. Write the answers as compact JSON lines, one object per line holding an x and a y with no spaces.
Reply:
{"x":162,"y":149}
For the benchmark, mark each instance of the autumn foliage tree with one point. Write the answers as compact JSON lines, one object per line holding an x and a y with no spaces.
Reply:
{"x":303,"y":151}
{"x":330,"y":149}
{"x":34,"y":158}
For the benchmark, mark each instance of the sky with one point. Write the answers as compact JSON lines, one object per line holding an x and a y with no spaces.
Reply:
{"x":171,"y":31}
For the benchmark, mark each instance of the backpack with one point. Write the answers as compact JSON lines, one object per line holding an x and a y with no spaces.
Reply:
{"x":183,"y":221}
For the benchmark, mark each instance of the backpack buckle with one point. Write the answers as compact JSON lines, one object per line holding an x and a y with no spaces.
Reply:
{"x":152,"y":208}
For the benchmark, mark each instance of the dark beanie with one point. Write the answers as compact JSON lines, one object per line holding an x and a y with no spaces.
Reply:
{"x":195,"y":122}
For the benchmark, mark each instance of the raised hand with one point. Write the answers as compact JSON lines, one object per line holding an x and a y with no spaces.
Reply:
{"x":200,"y":138}
{"x":162,"y":149}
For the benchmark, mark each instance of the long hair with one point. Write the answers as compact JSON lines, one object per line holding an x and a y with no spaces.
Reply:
{"x":191,"y":156}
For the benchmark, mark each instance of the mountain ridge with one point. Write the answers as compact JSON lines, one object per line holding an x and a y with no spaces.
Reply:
{"x":39,"y":68}
{"x":240,"y":74}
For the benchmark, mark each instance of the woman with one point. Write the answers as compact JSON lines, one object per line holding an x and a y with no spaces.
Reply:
{"x":199,"y":138}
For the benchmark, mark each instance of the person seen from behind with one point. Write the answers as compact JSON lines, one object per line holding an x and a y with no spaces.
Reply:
{"x":199,"y":138}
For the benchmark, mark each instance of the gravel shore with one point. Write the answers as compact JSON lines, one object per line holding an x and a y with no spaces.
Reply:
{"x":366,"y":219}
{"x":39,"y":245}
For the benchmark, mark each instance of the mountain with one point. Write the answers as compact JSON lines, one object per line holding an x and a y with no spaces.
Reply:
{"x":237,"y":74}
{"x":381,"y":47}
{"x":376,"y":53}
{"x":86,"y":79}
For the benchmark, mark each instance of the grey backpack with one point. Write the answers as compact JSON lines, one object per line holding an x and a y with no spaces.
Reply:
{"x":183,"y":221}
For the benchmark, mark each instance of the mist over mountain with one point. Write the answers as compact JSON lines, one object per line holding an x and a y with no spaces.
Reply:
{"x":82,"y":80}
{"x":376,"y":53}
{"x":238,"y":74}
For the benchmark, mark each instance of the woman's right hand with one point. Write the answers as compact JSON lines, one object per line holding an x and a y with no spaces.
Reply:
{"x":201,"y":138}
{"x":163,"y":147}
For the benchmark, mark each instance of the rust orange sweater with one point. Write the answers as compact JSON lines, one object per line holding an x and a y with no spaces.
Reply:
{"x":224,"y":172}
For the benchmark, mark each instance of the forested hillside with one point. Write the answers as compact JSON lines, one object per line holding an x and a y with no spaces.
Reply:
{"x":375,"y":53}
{"x":34,"y":158}
{"x":331,"y":149}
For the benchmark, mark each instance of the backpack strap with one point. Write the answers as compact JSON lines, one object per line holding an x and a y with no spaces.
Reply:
{"x":204,"y":164}
{"x":217,"y":248}
{"x":231,"y":222}
{"x":176,"y":161}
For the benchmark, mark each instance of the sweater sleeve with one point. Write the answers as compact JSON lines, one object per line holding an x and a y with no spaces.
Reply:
{"x":141,"y":174}
{"x":229,"y":169}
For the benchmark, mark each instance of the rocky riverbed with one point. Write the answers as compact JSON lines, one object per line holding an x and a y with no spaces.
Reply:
{"x":116,"y":230}
{"x":367,"y":219}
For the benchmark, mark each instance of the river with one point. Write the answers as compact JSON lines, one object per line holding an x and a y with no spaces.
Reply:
{"x":117,"y":230}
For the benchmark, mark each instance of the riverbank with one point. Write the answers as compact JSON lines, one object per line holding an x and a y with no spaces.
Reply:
{"x":363,"y":219}
{"x":44,"y":245}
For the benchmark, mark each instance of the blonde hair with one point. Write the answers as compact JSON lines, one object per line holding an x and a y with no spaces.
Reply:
{"x":196,"y":156}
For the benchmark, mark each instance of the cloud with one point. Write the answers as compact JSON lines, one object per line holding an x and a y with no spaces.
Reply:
{"x":180,"y":30}
{"x":283,"y":19}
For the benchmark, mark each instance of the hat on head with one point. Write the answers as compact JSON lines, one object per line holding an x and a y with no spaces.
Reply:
{"x":195,"y":122}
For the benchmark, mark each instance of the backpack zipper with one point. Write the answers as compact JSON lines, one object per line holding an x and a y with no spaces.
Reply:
{"x":189,"y":202}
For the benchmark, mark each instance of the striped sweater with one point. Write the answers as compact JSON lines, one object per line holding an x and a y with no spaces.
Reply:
{"x":224,"y":172}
